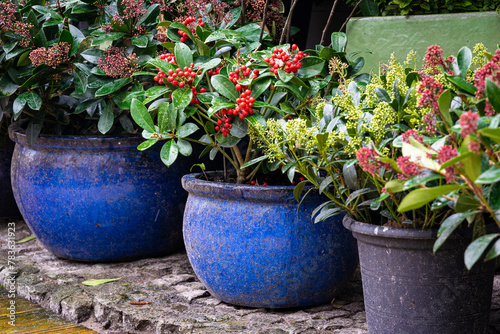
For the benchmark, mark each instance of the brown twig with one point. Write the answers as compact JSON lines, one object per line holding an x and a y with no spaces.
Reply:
{"x":328,"y":22}
{"x":264,"y":17}
{"x":243,"y":12}
{"x":350,"y":15}
{"x":286,"y":28}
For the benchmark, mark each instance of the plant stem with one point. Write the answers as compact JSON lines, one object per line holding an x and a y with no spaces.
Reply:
{"x":328,"y":22}
{"x":350,"y":15}
{"x":264,"y":17}
{"x":286,"y":28}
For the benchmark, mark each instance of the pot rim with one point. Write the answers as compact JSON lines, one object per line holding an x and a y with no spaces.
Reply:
{"x":18,"y":135}
{"x":232,"y":191}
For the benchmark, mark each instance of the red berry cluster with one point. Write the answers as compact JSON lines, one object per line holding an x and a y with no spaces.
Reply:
{"x":243,"y":72}
{"x":187,"y":22}
{"x":289,"y":61}
{"x":225,"y":129}
{"x":216,"y":71}
{"x":170,"y":57}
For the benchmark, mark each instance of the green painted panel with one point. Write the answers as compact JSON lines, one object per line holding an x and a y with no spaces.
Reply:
{"x":400,"y":34}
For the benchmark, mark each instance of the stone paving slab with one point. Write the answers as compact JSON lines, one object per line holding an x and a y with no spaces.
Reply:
{"x":176,"y":302}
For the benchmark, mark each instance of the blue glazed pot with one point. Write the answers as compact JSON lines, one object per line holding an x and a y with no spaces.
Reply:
{"x":98,"y":199}
{"x":250,"y":246}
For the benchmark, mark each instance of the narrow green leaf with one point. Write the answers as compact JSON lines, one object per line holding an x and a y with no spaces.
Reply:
{"x":493,"y":252}
{"x":254,"y":161}
{"x":323,"y":215}
{"x":444,"y":102}
{"x":448,"y":226}
{"x":355,"y":194}
{"x":141,"y":116}
{"x":493,"y":133}
{"x":493,"y":94}
{"x":81,"y":80}
{"x":325,"y":183}
{"x":492,"y":175}
{"x":94,"y":282}
{"x":419,"y":197}
{"x":31,"y":237}
{"x":456,"y":159}
{"x":297,"y":191}
{"x":476,"y":249}
{"x":169,"y":152}
{"x":292,"y":89}
{"x":462,"y":84}
{"x":260,"y":86}
{"x":395,"y":186}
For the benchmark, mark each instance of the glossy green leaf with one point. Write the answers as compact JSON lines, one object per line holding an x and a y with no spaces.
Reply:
{"x":444,"y":102}
{"x":492,"y":175}
{"x":339,"y":41}
{"x":225,"y":87}
{"x":92,"y":55}
{"x":493,"y":133}
{"x":260,"y":104}
{"x":66,"y":36}
{"x":182,"y":27}
{"x":476,"y":249}
{"x":254,"y":161}
{"x":140,"y":41}
{"x":106,"y":119}
{"x":169,"y":152}
{"x":325,"y":183}
{"x":456,"y":159}
{"x":493,"y":94}
{"x":147,"y":144}
{"x":464,"y":59}
{"x":419,"y":197}
{"x":383,"y":95}
{"x":112,"y":86}
{"x":448,"y":226}
{"x":40,"y":40}
{"x":493,"y":252}
{"x":471,"y":164}
{"x":395,"y":186}
{"x":94,"y":282}
{"x":7,"y":86}
{"x":185,"y":147}
{"x":181,"y":98}
{"x":465,"y":203}
{"x":47,"y":11}
{"x":355,"y":194}
{"x":421,"y":180}
{"x":285,"y":77}
{"x":297,"y":191}
{"x":323,"y":215}
{"x":151,"y":16}
{"x":81,"y":80}
{"x":108,"y":37}
{"x":462,"y":84}
{"x":311,"y":67}
{"x":260,"y":86}
{"x":141,"y":116}
{"x":187,"y":129}
{"x":292,"y":89}
{"x":183,"y":55}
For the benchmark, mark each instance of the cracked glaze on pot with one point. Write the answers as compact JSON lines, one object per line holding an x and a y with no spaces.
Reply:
{"x":98,"y":199}
{"x":409,"y":290}
{"x":249,"y":247}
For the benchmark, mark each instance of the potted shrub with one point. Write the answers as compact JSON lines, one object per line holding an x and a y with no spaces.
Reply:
{"x":401,"y":26}
{"x":424,"y":142}
{"x":81,"y":185}
{"x":246,"y":237}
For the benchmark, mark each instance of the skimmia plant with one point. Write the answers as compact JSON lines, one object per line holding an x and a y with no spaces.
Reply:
{"x":61,"y":61}
{"x":219,"y":83}
{"x":418,"y":146}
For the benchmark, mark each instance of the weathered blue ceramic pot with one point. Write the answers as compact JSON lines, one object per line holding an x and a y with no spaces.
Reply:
{"x":250,"y":245}
{"x":98,"y":199}
{"x":8,"y":207}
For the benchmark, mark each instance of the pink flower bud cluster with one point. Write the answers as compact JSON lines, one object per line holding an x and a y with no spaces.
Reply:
{"x":468,"y":123}
{"x":117,"y":63}
{"x":429,"y":89}
{"x":134,"y":9}
{"x":408,"y":168}
{"x":434,"y":57}
{"x":367,"y":158}
{"x":447,"y":152}
{"x":7,"y":16}
{"x":412,"y":133}
{"x":430,"y":122}
{"x":57,"y":54}
{"x":490,"y":70}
